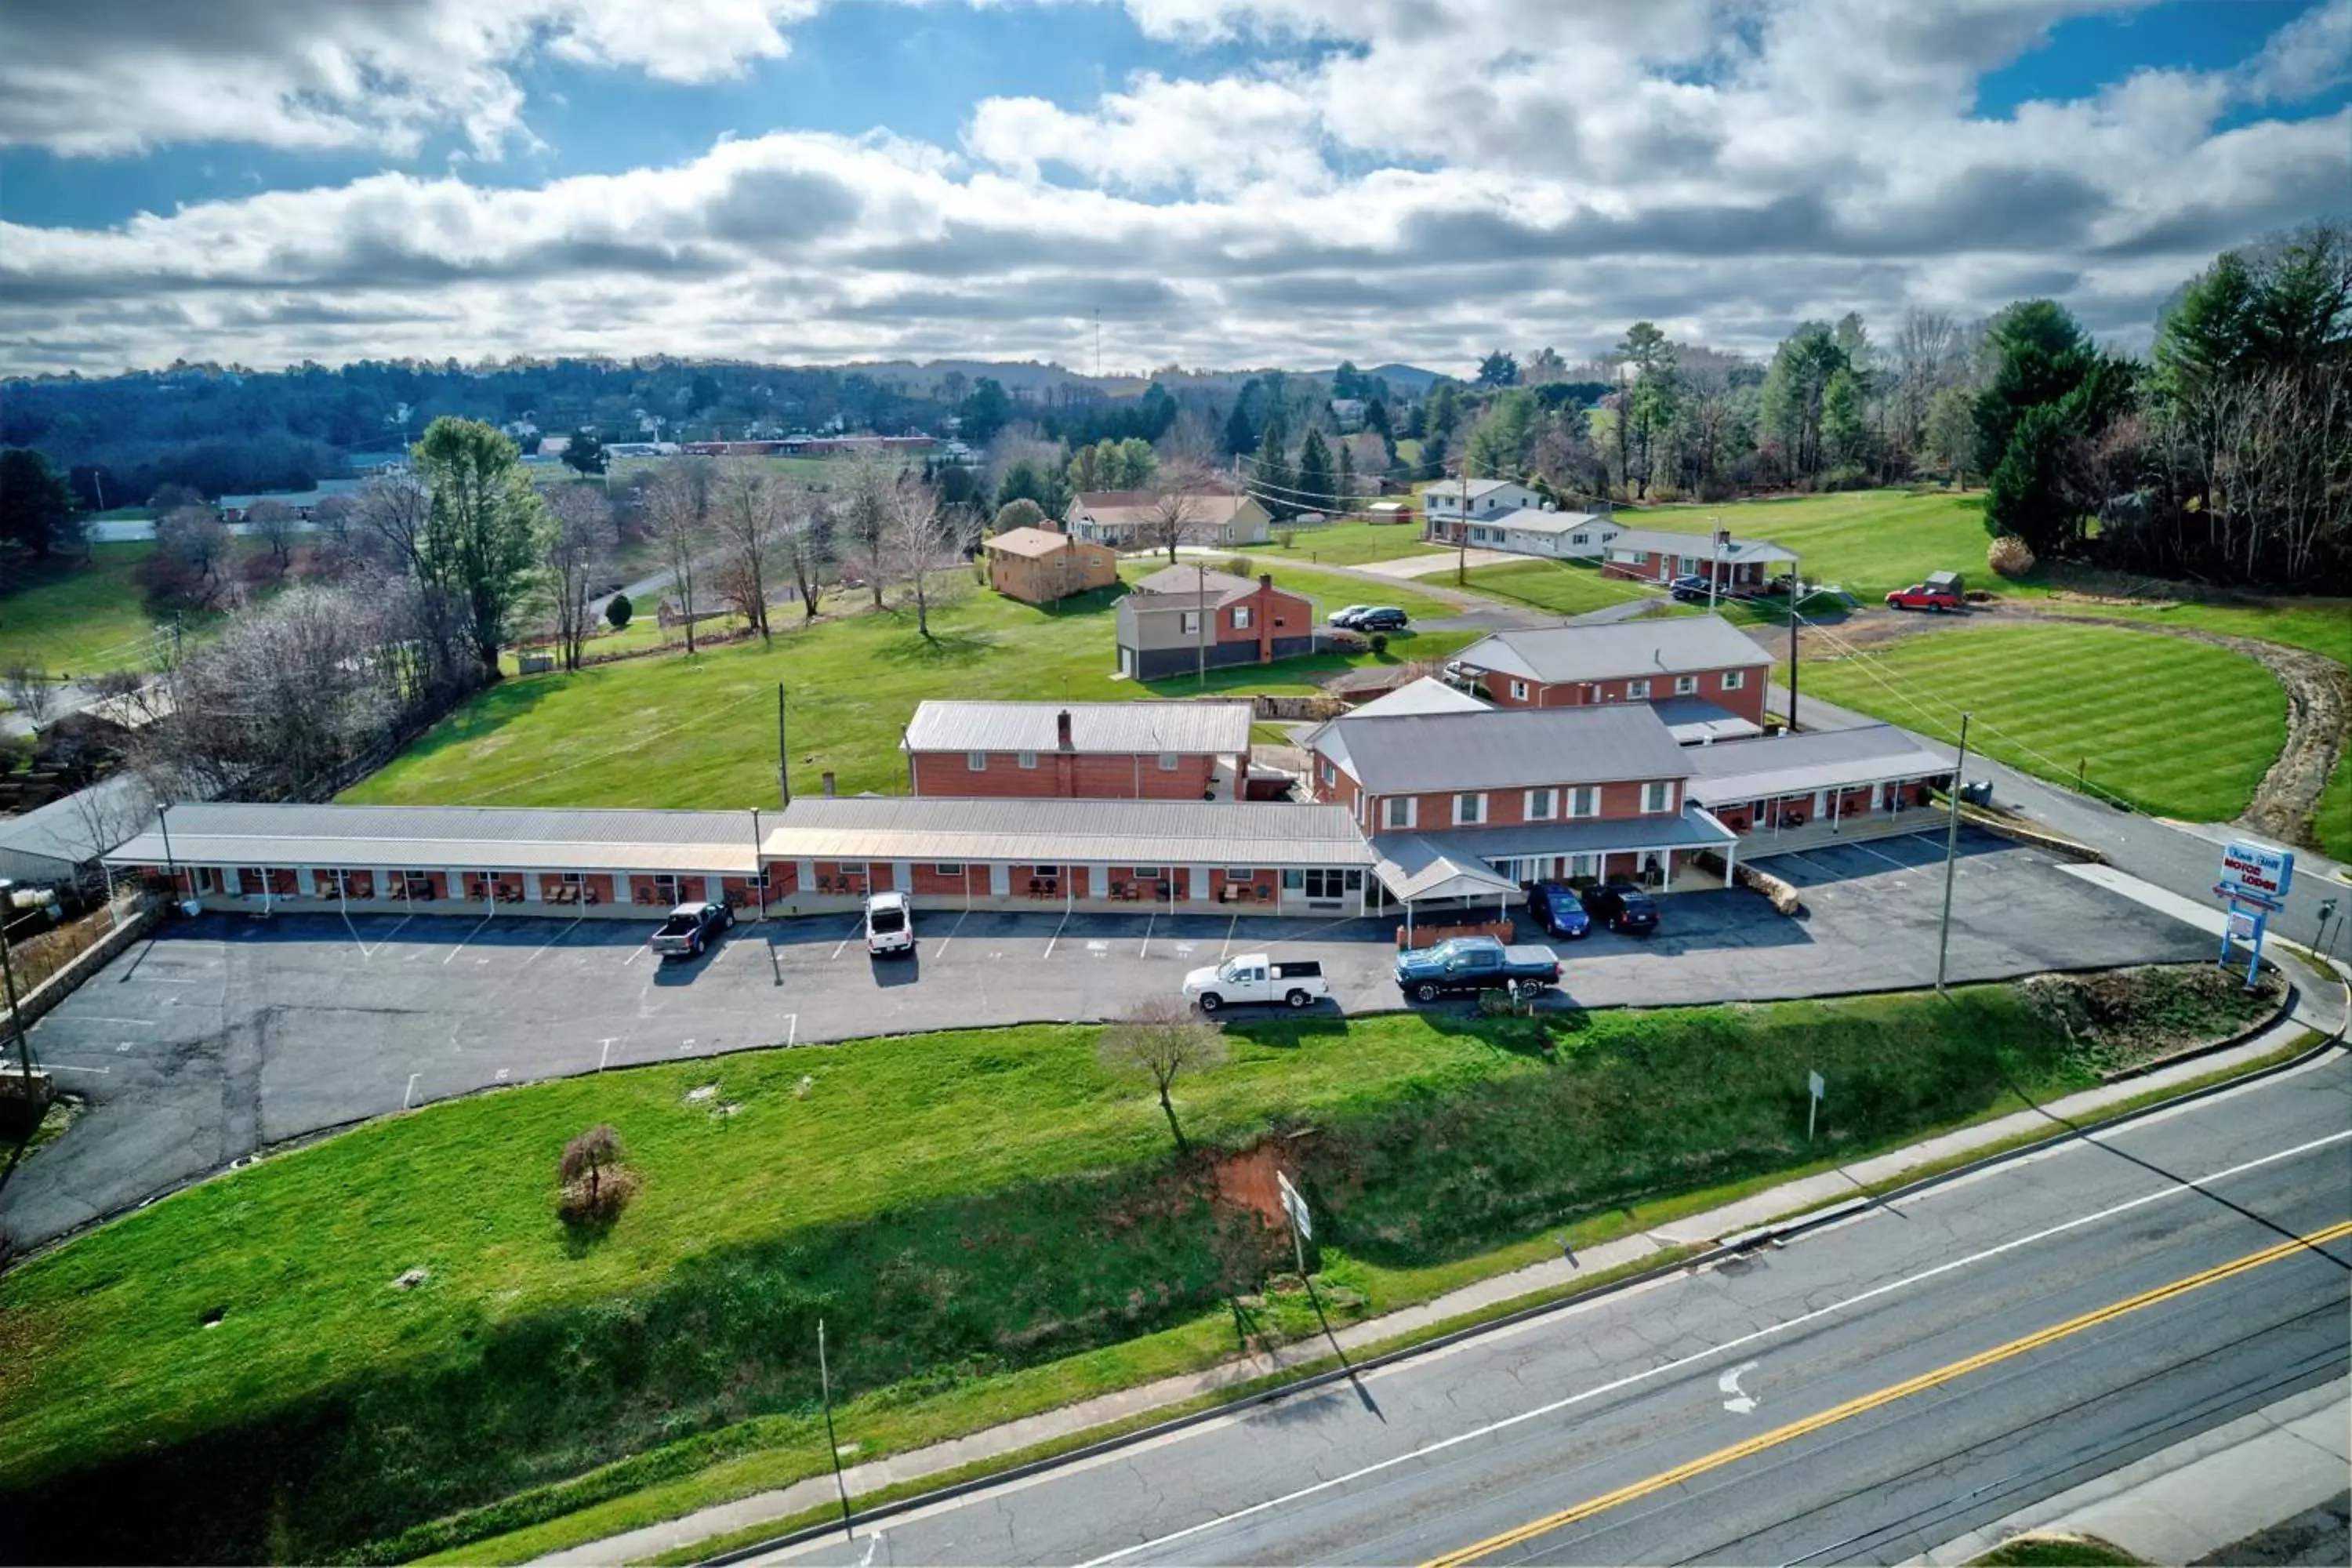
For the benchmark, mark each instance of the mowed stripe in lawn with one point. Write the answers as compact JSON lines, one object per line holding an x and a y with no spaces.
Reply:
{"x":2178,"y":728}
{"x":1556,"y":585}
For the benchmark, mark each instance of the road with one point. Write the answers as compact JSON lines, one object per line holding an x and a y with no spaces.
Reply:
{"x":1862,"y":1394}
{"x":2178,"y":862}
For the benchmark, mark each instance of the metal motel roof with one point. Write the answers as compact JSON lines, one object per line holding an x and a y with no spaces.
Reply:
{"x":460,"y":838}
{"x":1064,"y":832}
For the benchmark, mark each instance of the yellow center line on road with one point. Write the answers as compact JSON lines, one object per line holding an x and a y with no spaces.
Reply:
{"x":1873,"y":1401}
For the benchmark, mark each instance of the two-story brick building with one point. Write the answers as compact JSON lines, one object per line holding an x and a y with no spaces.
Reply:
{"x":1093,"y":750}
{"x":1705,"y":676}
{"x":1469,"y":806}
{"x":1181,"y":619}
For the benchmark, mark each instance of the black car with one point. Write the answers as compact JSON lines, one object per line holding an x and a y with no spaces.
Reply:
{"x":1621,"y":906}
{"x":1690,"y":590}
{"x":1553,"y":906}
{"x":1381,"y":618}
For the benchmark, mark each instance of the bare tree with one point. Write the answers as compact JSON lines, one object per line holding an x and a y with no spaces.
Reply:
{"x":802,"y":544}
{"x":748,"y":513}
{"x":1926,"y":360}
{"x":273,"y":523}
{"x":1178,"y":513}
{"x":1158,"y":1038}
{"x":867,"y":482}
{"x":30,"y":693}
{"x":592,"y":1183}
{"x":578,"y":547}
{"x":391,"y":515}
{"x":194,"y":543}
{"x":678,"y":502}
{"x":923,"y":544}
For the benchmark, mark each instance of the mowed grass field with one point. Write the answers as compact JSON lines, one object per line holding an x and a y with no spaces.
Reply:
{"x":1867,"y":541}
{"x":79,"y":617}
{"x":2176,"y":728}
{"x":1349,"y":543}
{"x":962,"y":1207}
{"x":1568,"y":587}
{"x":669,"y":730}
{"x":1330,"y":590}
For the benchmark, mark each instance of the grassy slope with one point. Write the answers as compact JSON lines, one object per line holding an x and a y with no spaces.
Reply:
{"x":79,"y":618}
{"x":1867,"y":541}
{"x":1567,"y":587}
{"x":2178,"y":728}
{"x":1352,"y":544}
{"x":1440,"y":1135}
{"x":701,"y":732}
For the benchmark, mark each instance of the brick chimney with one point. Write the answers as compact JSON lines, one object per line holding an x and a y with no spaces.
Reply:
{"x":1263,"y":599}
{"x":1061,"y":729}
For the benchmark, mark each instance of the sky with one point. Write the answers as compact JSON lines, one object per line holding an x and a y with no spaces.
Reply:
{"x":1227,"y":183}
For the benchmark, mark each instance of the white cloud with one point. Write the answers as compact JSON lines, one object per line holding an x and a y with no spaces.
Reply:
{"x":2308,"y":56}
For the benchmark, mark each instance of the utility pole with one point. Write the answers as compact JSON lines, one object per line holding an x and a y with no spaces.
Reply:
{"x":1462,"y":534}
{"x":1796,"y":595}
{"x":783,"y":756}
{"x":1715,"y":561}
{"x":8,"y":973}
{"x":824,"y":1384}
{"x":1200,"y":624}
{"x":1951,"y":853}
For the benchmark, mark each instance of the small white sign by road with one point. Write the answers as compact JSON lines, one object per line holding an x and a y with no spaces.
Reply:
{"x":1295,"y":1207}
{"x":1819,"y":1086}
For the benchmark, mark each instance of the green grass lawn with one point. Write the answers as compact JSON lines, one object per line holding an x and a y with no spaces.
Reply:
{"x":79,"y":617}
{"x":2176,"y":728}
{"x":1330,"y":590}
{"x":962,"y":1207}
{"x":702,"y":731}
{"x":1351,"y":544}
{"x":1867,"y":541}
{"x":1568,"y":587}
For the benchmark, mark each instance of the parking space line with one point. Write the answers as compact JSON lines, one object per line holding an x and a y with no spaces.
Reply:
{"x":854,"y":932}
{"x":1145,"y":950}
{"x":551,"y":941}
{"x":1230,"y":926}
{"x":94,"y":1018}
{"x":950,"y":936}
{"x":605,"y":1056}
{"x":636,"y":954}
{"x":68,"y":1067}
{"x":465,"y":939}
{"x":1898,"y":865}
{"x":406,"y":1093}
{"x":1057,"y":932}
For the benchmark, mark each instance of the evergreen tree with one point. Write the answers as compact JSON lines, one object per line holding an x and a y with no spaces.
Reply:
{"x":1240,"y":440}
{"x":1314,"y":476}
{"x":35,"y":504}
{"x":1269,"y":472}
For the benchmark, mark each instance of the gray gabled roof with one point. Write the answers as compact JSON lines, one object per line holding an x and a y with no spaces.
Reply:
{"x":1675,"y":645}
{"x":1730,"y":771}
{"x":1123,"y":728}
{"x":1066,"y":832}
{"x":1180,"y":587}
{"x":1663,"y":542}
{"x":1535,"y":520}
{"x":1425,"y":695}
{"x":82,"y":825}
{"x":1505,"y":748}
{"x":462,"y":837}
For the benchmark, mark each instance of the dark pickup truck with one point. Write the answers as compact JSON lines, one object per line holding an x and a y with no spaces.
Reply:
{"x":1473,"y":964}
{"x":689,"y":930}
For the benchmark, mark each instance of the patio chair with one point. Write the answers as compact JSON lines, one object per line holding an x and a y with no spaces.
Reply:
{"x":1035,"y":887}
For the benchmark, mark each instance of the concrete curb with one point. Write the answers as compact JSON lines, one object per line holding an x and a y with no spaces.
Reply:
{"x":2287,"y":1005}
{"x":1772,"y":1234}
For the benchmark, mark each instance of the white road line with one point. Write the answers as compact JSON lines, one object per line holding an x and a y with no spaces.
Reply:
{"x":1145,"y":950}
{"x":636,"y":954}
{"x":68,"y":1067}
{"x":465,"y":939}
{"x":1229,"y":936}
{"x":410,"y":1090}
{"x":855,"y":932}
{"x":94,"y":1018}
{"x":603,"y":1056}
{"x":1057,"y":932}
{"x":950,"y":936}
{"x":551,"y":941}
{"x":1898,"y":865}
{"x":2171,"y":1191}
{"x":792,"y":1027}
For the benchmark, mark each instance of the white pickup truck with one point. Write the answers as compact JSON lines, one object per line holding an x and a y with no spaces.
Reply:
{"x":1254,"y":977}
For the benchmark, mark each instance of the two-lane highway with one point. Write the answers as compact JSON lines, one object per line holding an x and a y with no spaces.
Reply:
{"x":1862,"y":1394}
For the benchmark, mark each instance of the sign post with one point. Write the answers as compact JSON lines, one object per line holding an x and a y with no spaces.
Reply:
{"x":1818,"y":1086}
{"x":1302,"y":1222}
{"x":2255,"y":881}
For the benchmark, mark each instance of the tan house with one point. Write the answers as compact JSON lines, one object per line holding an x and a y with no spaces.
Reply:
{"x":1037,"y":566}
{"x":1126,"y":519}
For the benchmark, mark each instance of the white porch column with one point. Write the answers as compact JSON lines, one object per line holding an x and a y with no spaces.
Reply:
{"x":1000,"y":880}
{"x":1730,"y":862}
{"x":1198,"y":877}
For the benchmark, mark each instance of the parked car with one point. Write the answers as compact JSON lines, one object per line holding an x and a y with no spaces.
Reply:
{"x":889,"y":924}
{"x":1473,"y":964}
{"x":1254,"y":977}
{"x":1345,"y":617}
{"x":1555,"y":907}
{"x":1926,"y":597}
{"x":1621,"y":906}
{"x":1381,"y":618}
{"x":1690,"y":590}
{"x":689,"y":930}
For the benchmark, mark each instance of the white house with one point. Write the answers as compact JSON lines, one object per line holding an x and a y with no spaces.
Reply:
{"x":1556,"y":535}
{"x":1451,"y":502}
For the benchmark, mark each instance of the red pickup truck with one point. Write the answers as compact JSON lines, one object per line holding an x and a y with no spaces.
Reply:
{"x":1924,"y":596}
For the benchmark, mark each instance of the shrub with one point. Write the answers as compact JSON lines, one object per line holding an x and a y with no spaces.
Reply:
{"x":1237,"y":565}
{"x":1344,"y":641}
{"x":592,"y":1185}
{"x":1021,"y":512}
{"x":2010,"y":556}
{"x":617,"y":611}
{"x":1379,"y":642}
{"x":1287,"y":538}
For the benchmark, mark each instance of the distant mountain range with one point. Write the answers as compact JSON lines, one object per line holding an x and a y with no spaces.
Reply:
{"x":1409,"y":378}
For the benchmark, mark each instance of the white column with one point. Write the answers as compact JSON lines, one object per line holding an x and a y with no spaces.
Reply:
{"x":1730,"y":862}
{"x":1198,"y":878}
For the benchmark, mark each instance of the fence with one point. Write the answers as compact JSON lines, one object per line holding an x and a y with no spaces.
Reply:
{"x":50,"y":965}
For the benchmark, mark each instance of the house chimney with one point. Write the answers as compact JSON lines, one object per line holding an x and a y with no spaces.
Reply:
{"x":1061,"y":729}
{"x":1265,"y":581}
{"x":826,"y":782}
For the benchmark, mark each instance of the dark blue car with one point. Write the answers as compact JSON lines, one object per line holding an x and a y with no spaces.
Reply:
{"x":1555,"y":907}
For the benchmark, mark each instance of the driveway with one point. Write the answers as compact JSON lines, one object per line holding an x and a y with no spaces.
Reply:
{"x":227,"y":1034}
{"x":1430,"y":565}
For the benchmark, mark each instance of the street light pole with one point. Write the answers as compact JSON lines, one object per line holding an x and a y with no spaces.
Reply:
{"x":1951,"y":853}
{"x":8,"y":975}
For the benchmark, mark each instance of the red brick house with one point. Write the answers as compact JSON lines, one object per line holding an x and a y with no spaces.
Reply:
{"x":1092,"y":750}
{"x":1706,"y":675}
{"x":1654,"y":555}
{"x":1181,"y":619}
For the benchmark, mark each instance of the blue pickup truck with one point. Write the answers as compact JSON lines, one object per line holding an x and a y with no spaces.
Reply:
{"x":1473,"y":964}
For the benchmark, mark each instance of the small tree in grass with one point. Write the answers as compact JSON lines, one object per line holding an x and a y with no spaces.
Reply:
{"x":1157,"y":1039}
{"x":617,"y":611}
{"x":595,"y":1186}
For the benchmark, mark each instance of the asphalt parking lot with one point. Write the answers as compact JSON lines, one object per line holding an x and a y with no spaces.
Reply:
{"x":226,"y":1034}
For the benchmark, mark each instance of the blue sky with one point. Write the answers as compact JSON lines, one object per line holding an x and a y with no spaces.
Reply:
{"x":1229,"y":181}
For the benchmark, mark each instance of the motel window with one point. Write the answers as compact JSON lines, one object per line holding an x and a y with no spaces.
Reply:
{"x":1584,"y":801}
{"x":1188,"y":622}
{"x":1469,"y":809}
{"x":977,"y":761}
{"x":1330,"y":774}
{"x":1686,"y":684}
{"x":1046,"y":870}
{"x":665,"y":887}
{"x":1518,"y":691}
{"x":947,"y":868}
{"x":1733,"y":680}
{"x":416,"y":884}
{"x":1146,"y":873}
{"x":1241,"y":617}
{"x":1507,"y":869}
{"x":1637,"y":690}
{"x":1584,"y":865}
{"x":1239,"y":874}
{"x":250,"y":880}
{"x":1168,"y":761}
{"x":1398,"y":811}
{"x":1541,"y":805}
{"x":1318,"y":882}
{"x":1657,"y":796}
{"x":1028,"y":758}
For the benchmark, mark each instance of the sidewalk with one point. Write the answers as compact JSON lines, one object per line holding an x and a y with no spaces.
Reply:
{"x":1731,"y":1220}
{"x":2199,"y":1496}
